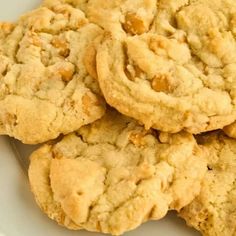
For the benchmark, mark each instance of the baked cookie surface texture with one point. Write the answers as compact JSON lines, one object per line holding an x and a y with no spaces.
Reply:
{"x":178,"y":75}
{"x":213,"y":212}
{"x":45,"y":86}
{"x":230,"y":130}
{"x":118,"y":17}
{"x":113,"y":175}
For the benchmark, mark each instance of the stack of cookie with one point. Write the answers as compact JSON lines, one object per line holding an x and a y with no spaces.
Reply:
{"x":122,"y":92}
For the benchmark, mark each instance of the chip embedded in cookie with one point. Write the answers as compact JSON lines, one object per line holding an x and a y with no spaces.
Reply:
{"x":45,"y":87}
{"x":113,"y":175}
{"x":119,"y":17}
{"x":157,"y":80}
{"x":125,"y":17}
{"x":213,"y":212}
{"x":230,"y":130}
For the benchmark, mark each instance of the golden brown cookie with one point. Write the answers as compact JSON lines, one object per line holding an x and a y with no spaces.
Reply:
{"x":156,"y":80}
{"x":119,"y":17}
{"x":113,"y":175}
{"x":164,"y":63}
{"x":213,"y":212}
{"x":45,"y":87}
{"x":211,"y":38}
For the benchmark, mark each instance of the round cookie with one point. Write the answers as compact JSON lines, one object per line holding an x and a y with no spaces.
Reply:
{"x":156,"y":80}
{"x":113,"y":175}
{"x":119,"y":17}
{"x":45,"y":86}
{"x":213,"y":212}
{"x":165,"y":18}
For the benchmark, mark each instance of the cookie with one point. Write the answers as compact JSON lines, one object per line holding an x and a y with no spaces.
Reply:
{"x":113,"y":175}
{"x":119,"y":17}
{"x":156,"y":80}
{"x":45,"y":86}
{"x":211,"y":39}
{"x":213,"y":212}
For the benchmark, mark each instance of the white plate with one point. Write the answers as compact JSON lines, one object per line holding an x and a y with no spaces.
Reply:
{"x":19,"y":215}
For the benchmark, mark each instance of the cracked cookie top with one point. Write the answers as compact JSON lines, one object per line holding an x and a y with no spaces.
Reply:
{"x":119,"y":17}
{"x":47,"y":84}
{"x":181,"y":74}
{"x":113,"y":175}
{"x":165,"y":61}
{"x":157,"y":81}
{"x":213,"y":212}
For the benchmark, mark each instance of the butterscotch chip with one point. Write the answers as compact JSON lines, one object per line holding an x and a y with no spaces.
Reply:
{"x":62,"y":71}
{"x":66,"y":73}
{"x":161,"y":83}
{"x":6,"y":27}
{"x":42,"y":72}
{"x":137,"y":138}
{"x":89,"y":100}
{"x":112,"y":176}
{"x":62,"y":46}
{"x":230,"y":130}
{"x":134,"y":24}
{"x":213,"y":210}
